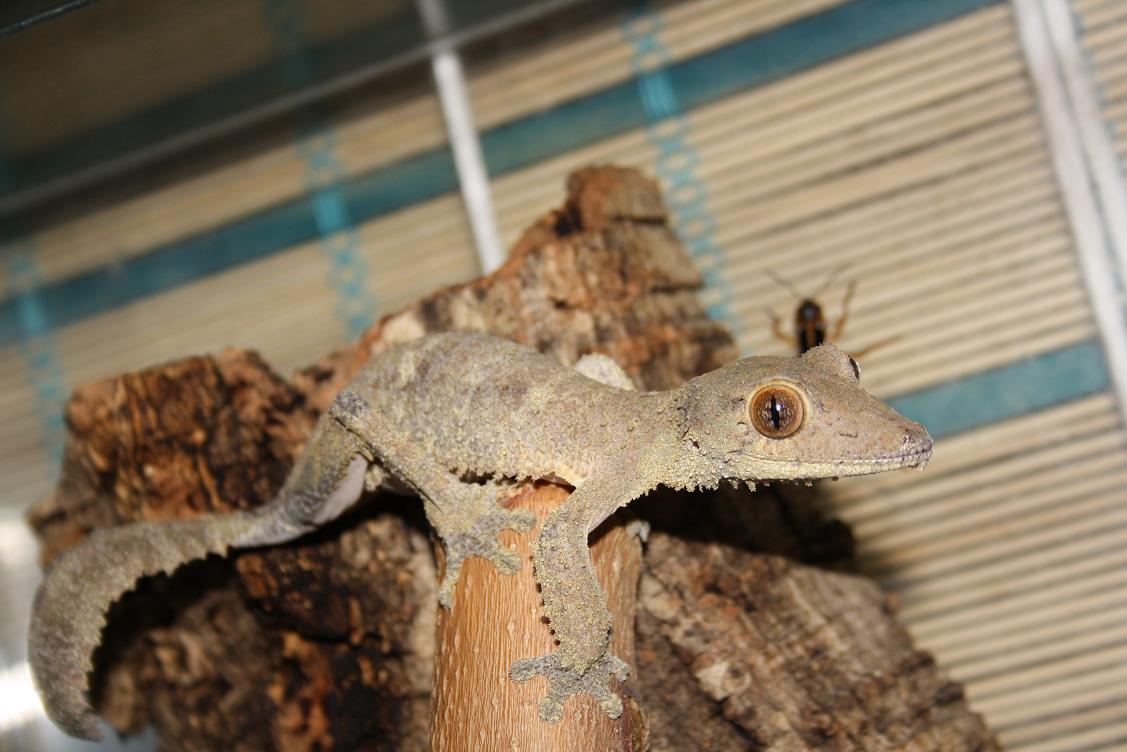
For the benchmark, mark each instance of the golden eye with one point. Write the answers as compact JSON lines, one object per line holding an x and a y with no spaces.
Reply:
{"x":776,"y":411}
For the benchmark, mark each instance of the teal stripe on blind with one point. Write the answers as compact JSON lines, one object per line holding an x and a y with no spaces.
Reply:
{"x":716,"y":74}
{"x":1009,"y":391}
{"x":33,"y":331}
{"x":38,"y":349}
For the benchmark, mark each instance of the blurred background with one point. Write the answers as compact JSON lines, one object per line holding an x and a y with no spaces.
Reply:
{"x":276,"y":174}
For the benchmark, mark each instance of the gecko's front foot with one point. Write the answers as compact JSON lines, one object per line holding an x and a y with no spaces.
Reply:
{"x":563,"y":683}
{"x":481,"y":540}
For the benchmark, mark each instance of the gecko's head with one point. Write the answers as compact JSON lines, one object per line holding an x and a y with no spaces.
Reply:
{"x":771,"y":418}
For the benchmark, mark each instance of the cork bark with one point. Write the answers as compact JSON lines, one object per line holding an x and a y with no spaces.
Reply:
{"x":748,"y":634}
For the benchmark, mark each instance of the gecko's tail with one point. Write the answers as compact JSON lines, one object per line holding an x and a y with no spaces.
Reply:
{"x":71,"y":604}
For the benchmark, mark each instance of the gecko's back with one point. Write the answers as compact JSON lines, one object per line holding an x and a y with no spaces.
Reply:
{"x":441,"y":390}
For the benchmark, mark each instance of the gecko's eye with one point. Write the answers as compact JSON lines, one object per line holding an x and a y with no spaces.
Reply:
{"x":856,"y":368}
{"x":776,"y":411}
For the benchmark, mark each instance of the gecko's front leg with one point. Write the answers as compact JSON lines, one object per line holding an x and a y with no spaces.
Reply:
{"x":575,"y":604}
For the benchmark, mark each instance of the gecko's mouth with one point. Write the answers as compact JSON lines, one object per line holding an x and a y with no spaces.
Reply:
{"x":905,"y":460}
{"x":914,"y":458}
{"x":914,"y":451}
{"x":835,"y":468}
{"x":839,"y":468}
{"x":917,"y":456}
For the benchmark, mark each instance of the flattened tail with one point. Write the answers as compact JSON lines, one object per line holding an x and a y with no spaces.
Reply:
{"x":70,"y":607}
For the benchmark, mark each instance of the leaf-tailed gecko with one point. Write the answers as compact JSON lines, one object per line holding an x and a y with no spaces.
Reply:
{"x":442,"y":413}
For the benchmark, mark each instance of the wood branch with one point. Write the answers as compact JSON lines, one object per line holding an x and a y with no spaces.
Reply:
{"x":328,"y":643}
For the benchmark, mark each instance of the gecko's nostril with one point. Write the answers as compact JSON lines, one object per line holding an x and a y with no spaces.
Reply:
{"x":917,"y":441}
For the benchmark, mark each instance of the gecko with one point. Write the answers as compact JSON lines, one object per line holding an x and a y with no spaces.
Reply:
{"x":450,"y":417}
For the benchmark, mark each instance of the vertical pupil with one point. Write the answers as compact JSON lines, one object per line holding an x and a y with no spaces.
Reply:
{"x":776,"y":412}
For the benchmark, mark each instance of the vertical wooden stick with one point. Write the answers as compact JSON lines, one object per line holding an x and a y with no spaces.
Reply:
{"x":496,"y":621}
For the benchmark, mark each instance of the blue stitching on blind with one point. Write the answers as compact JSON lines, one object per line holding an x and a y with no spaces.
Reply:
{"x":677,"y":161}
{"x":348,"y":271}
{"x":36,"y":335}
{"x":39,"y":349}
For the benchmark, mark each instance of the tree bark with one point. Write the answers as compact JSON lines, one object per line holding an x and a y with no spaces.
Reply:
{"x":328,"y":643}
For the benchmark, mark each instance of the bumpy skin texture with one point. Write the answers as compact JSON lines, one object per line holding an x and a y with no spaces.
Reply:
{"x":452,"y":415}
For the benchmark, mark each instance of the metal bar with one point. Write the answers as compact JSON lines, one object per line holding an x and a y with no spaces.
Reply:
{"x":1074,"y":175}
{"x":1103,"y":160}
{"x":454,"y":96}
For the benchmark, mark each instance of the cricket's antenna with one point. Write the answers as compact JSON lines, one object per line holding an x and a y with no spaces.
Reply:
{"x":830,"y":278}
{"x":784,"y":284}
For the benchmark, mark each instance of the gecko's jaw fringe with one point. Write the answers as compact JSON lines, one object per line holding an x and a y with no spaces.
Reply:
{"x":895,"y":462}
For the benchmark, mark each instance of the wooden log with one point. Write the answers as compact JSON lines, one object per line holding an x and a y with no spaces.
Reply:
{"x":328,"y":643}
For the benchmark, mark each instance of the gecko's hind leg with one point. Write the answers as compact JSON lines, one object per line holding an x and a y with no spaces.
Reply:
{"x":466,"y":515}
{"x":469,"y":520}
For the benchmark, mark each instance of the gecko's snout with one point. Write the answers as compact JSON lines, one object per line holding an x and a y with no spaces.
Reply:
{"x":916,"y":446}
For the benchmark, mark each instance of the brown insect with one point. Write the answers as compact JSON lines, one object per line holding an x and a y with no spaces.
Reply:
{"x":810,"y":325}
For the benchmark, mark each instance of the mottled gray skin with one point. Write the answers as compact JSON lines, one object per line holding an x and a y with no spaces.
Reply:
{"x":453,"y":415}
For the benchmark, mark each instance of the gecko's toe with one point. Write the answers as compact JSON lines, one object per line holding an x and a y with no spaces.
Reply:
{"x":551,"y":709}
{"x":507,"y":561}
{"x":617,"y":668}
{"x":521,"y":520}
{"x":449,"y":582}
{"x":563,"y":683}
{"x":481,"y":540}
{"x":611,"y":704}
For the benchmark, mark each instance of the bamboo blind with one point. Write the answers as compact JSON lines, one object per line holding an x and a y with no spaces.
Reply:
{"x":919,"y":162}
